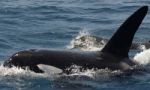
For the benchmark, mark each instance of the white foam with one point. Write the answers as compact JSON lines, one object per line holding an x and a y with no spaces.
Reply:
{"x":18,"y":72}
{"x":80,"y":34}
{"x":143,"y":57}
{"x":99,"y":74}
{"x":4,"y":71}
{"x":50,"y":75}
{"x":93,"y":73}
{"x":142,"y":47}
{"x":89,"y":44}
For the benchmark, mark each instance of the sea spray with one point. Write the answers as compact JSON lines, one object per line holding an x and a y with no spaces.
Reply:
{"x":80,"y":34}
{"x":19,"y":72}
{"x":87,"y":45}
{"x":143,"y":58}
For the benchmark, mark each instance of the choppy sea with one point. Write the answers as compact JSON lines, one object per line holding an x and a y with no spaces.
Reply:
{"x":46,"y":24}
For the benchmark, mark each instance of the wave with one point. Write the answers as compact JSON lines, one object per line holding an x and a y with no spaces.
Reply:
{"x":87,"y":45}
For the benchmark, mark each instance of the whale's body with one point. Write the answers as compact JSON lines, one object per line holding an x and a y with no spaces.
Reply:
{"x":65,"y":58}
{"x":113,"y":56}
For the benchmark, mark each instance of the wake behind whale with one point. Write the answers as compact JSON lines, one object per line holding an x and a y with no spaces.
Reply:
{"x":113,"y":56}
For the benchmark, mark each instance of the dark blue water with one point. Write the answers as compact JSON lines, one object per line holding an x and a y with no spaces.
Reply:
{"x":26,"y":24}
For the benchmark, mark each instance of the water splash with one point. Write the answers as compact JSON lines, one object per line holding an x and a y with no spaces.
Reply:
{"x":143,"y":57}
{"x":14,"y":71}
{"x":79,"y":73}
{"x":88,"y":44}
{"x":96,"y":74}
{"x":18,"y":72}
{"x":80,"y":34}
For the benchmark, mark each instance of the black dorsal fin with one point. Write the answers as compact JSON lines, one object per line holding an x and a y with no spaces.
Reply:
{"x":121,"y":41}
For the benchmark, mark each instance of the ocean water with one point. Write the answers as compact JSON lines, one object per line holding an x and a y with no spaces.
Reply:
{"x":46,"y":24}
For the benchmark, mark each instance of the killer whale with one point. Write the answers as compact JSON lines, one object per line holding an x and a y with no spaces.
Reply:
{"x":113,"y":56}
{"x":84,"y":41}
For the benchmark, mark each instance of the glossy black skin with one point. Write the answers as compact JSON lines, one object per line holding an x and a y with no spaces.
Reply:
{"x":64,"y":59}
